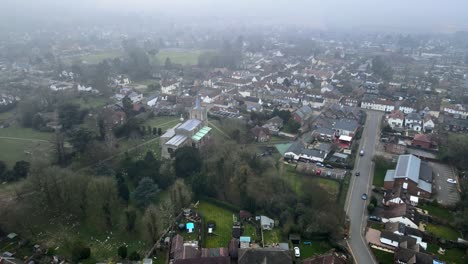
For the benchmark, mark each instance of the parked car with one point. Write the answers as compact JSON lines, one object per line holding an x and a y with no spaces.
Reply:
{"x":375,"y":218}
{"x":358,"y":173}
{"x":364,"y":196}
{"x":449,"y":180}
{"x":297,"y":252}
{"x":320,"y":164}
{"x":329,"y":166}
{"x":318,"y":172}
{"x":329,"y":173}
{"x":361,"y":153}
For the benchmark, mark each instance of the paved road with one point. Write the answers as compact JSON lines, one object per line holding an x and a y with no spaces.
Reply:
{"x":355,"y":207}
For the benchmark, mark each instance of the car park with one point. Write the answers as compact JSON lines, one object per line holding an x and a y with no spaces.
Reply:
{"x":375,"y":218}
{"x":297,"y":252}
{"x":364,"y":196}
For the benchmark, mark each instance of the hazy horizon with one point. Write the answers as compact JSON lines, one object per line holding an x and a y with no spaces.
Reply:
{"x":397,"y":15}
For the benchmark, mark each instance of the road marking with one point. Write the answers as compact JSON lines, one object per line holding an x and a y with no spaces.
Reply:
{"x":351,"y":250}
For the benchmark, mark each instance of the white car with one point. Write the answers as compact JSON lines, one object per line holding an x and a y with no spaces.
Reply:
{"x":451,"y":181}
{"x":297,"y":252}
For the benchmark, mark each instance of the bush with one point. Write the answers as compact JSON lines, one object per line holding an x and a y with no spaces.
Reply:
{"x":134,"y":256}
{"x":371,"y":208}
{"x":122,"y":252}
{"x":50,"y":252}
{"x":80,"y":252}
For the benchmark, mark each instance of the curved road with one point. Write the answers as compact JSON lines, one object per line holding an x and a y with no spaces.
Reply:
{"x":355,"y":207}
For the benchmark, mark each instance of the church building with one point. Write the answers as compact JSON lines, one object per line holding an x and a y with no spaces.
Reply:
{"x":193,"y":132}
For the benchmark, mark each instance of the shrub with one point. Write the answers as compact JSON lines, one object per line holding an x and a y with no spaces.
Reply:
{"x":371,"y":208}
{"x":80,"y":252}
{"x":134,"y":256}
{"x":122,"y":251}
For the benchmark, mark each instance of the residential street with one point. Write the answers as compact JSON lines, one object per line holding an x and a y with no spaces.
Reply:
{"x":356,"y":207}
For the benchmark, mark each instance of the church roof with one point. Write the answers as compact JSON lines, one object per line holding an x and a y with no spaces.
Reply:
{"x":190,"y":124}
{"x":201,"y":133}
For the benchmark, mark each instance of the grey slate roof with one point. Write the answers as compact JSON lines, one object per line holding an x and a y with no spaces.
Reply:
{"x":177,"y":140}
{"x":190,"y":124}
{"x":413,"y":116}
{"x":346,"y":124}
{"x":425,"y":172}
{"x":264,"y":256}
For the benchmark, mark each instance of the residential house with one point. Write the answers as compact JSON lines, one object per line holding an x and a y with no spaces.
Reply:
{"x":403,"y":230}
{"x":324,"y":133}
{"x":393,"y":240}
{"x":346,"y":127}
{"x":274,"y":125}
{"x":428,"y":124}
{"x":395,"y":119}
{"x":337,"y":111}
{"x":413,"y":121}
{"x":264,"y":256}
{"x":298,"y":152}
{"x":394,"y":196}
{"x":169,"y":87}
{"x":412,"y":174}
{"x":373,"y":103}
{"x":302,"y":114}
{"x":408,"y":256}
{"x":402,"y":213}
{"x":331,"y":257}
{"x":422,"y":141}
{"x":253,"y":104}
{"x":349,"y":101}
{"x":265,"y":222}
{"x":457,"y":110}
{"x":261,"y":134}
{"x":407,"y":107}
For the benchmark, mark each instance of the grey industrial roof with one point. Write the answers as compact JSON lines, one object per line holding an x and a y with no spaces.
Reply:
{"x":177,"y":140}
{"x":425,"y":172}
{"x":190,"y":124}
{"x":408,"y":167}
{"x":425,"y":186}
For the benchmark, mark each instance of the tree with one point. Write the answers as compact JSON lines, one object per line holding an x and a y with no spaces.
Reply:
{"x":145,"y":192}
{"x":134,"y":256}
{"x":122,"y":252}
{"x":37,"y":121}
{"x":70,"y":115}
{"x":80,"y":252}
{"x":150,"y":221}
{"x":187,"y":161}
{"x":122,"y":190}
{"x":159,"y":131}
{"x":293,"y":125}
{"x":21,"y":169}
{"x":3,"y":168}
{"x":312,"y":80}
{"x":168,"y":64}
{"x":127,"y":105}
{"x":181,"y":195}
{"x":286,"y":82}
{"x":130,"y":216}
{"x":80,"y":138}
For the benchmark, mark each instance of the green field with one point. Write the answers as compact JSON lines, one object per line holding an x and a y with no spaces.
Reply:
{"x":379,"y":176}
{"x":163,"y":122}
{"x":443,"y":232}
{"x":6,"y":115}
{"x":314,"y":249}
{"x":383,"y":257}
{"x":99,"y":57}
{"x":296,"y":181}
{"x":377,"y":226}
{"x":223,"y":219}
{"x":439,"y":212}
{"x":249,"y":230}
{"x":22,"y":144}
{"x":90,"y":102}
{"x":453,"y":255}
{"x":177,"y":56}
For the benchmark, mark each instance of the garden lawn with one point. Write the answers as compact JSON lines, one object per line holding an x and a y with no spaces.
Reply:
{"x":13,"y":150}
{"x":177,"y":56}
{"x":437,"y":211}
{"x":379,"y":176}
{"x":377,"y":226}
{"x":454,"y":255}
{"x":442,"y":232}
{"x":271,"y":237}
{"x":90,"y":102}
{"x":7,"y":115}
{"x":296,"y":181}
{"x":223,"y":219}
{"x":383,"y":257}
{"x":250,"y":230}
{"x":314,"y":249}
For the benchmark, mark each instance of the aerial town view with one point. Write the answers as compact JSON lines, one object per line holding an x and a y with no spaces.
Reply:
{"x":234,"y":132}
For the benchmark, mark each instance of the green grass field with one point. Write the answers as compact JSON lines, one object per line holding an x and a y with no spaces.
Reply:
{"x":223,"y":219}
{"x":6,"y":115}
{"x":91,"y":102}
{"x":249,"y":230}
{"x":379,"y":176}
{"x":443,"y":232}
{"x":22,"y":144}
{"x":99,"y":57}
{"x":451,"y":256}
{"x":383,"y":257}
{"x":314,"y":249}
{"x":296,"y":181}
{"x":377,"y":226}
{"x":177,"y":56}
{"x":163,"y":122}
{"x":437,"y":211}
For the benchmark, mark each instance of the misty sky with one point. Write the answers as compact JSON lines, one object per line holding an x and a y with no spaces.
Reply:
{"x":425,"y":15}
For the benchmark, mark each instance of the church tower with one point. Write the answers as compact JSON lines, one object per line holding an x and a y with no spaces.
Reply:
{"x":199,"y":112}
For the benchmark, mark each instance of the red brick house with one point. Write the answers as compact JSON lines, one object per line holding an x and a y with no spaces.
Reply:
{"x":261,"y":134}
{"x":412,"y":174}
{"x":422,"y":141}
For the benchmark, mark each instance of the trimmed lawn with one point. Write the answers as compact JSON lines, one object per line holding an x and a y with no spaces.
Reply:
{"x":271,"y":236}
{"x":454,"y":255}
{"x":379,"y":176}
{"x":296,"y":180}
{"x":177,"y":56}
{"x":437,"y":211}
{"x":314,"y":249}
{"x":383,"y":257}
{"x":27,"y":133}
{"x":7,"y":115}
{"x":332,"y":187}
{"x":443,"y":232}
{"x":377,"y":226}
{"x":250,"y":230}
{"x":223,"y":219}
{"x":90,"y":102}
{"x":163,"y":122}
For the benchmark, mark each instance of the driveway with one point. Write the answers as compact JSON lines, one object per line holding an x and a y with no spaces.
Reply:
{"x":355,"y":207}
{"x":446,"y":193}
{"x":311,"y":168}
